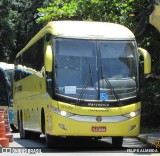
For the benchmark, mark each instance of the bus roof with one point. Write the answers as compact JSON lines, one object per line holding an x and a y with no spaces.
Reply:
{"x":83,"y":30}
{"x":6,"y":66}
{"x":88,"y":29}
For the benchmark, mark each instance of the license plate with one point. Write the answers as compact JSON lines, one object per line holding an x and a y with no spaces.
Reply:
{"x":98,"y":129}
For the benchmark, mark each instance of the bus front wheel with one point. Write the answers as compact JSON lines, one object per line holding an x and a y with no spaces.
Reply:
{"x":13,"y":127}
{"x":117,"y":141}
{"x":52,"y":141}
{"x":23,"y":134}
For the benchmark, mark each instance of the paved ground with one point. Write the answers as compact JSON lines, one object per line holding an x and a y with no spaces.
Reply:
{"x":102,"y":147}
{"x":152,"y":139}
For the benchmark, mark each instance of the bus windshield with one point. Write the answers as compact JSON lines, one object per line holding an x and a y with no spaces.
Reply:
{"x":92,"y":70}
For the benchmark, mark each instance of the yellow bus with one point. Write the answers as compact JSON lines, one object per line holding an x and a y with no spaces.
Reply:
{"x":79,"y":79}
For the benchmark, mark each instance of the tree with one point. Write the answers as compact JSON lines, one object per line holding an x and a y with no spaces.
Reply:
{"x":7,"y":26}
{"x":96,"y":10}
{"x":17,"y":26}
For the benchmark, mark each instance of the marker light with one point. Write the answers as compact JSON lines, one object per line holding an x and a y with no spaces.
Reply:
{"x":132,"y":127}
{"x":63,"y":126}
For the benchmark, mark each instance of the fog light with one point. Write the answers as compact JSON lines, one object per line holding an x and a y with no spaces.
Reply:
{"x":63,"y":126}
{"x":132,"y":127}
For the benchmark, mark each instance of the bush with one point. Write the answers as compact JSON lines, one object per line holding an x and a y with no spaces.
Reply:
{"x":151,"y":104}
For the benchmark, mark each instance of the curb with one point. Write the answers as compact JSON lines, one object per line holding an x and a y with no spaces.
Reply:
{"x":147,"y":141}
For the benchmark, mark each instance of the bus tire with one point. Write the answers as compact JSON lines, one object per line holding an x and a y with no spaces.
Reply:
{"x":52,"y":141}
{"x":117,"y":141}
{"x":13,"y":127}
{"x":23,"y":133}
{"x":35,"y":135}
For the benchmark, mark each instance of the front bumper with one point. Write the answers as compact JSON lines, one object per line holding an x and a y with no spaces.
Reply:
{"x":61,"y":126}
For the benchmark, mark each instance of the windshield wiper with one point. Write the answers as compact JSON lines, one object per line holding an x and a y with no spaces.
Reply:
{"x":85,"y":84}
{"x":111,"y":87}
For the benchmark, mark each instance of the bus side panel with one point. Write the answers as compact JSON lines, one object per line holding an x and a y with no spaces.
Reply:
{"x":30,"y":98}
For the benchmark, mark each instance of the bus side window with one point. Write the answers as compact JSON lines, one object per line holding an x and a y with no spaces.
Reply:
{"x":33,"y":53}
{"x":17,"y":73}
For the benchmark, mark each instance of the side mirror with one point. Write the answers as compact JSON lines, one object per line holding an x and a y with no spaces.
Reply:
{"x":147,"y":60}
{"x":48,"y":58}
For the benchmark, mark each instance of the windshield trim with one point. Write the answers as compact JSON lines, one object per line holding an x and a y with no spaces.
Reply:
{"x":55,"y":37}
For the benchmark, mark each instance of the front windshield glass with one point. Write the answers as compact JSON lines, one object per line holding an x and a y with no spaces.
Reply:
{"x":81,"y":68}
{"x":117,"y":61}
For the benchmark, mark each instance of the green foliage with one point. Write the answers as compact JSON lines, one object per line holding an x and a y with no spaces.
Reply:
{"x":7,"y":26}
{"x":113,"y":11}
{"x":151,"y":104}
{"x":17,"y":26}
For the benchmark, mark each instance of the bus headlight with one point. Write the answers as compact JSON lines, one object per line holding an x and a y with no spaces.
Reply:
{"x":133,"y":114}
{"x":61,"y":112}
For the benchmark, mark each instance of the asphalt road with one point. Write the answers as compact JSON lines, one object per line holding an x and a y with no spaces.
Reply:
{"x":77,"y":147}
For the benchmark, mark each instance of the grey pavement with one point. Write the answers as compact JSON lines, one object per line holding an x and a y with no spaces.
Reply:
{"x":152,"y":139}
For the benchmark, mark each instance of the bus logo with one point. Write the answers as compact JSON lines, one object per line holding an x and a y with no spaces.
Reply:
{"x":98,"y":118}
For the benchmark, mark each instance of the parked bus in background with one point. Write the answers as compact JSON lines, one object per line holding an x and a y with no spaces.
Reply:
{"x":7,"y":71}
{"x":4,"y":90}
{"x":78,"y":78}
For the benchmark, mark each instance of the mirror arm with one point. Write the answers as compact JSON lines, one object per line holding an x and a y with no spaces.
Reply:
{"x":147,"y":60}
